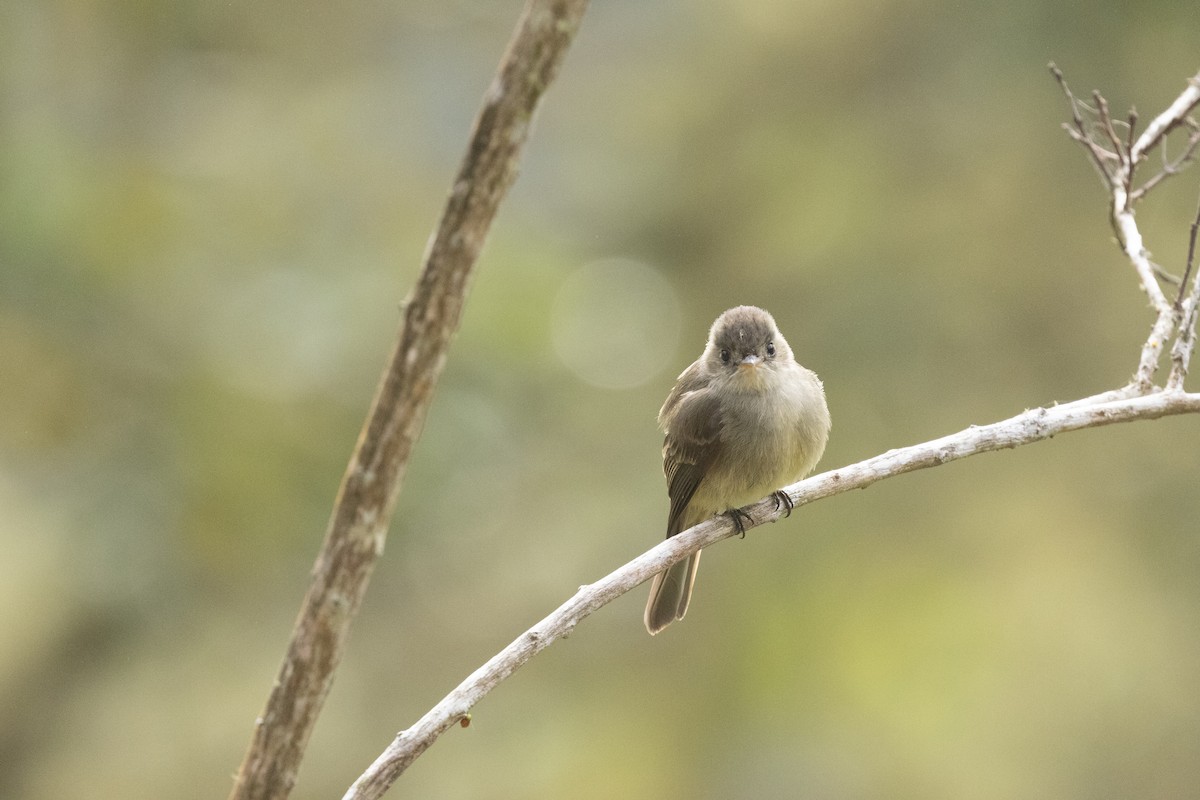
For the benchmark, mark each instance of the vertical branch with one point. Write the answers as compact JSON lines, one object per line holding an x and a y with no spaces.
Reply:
{"x":367,"y":496}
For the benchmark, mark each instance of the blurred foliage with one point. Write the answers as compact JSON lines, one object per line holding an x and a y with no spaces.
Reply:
{"x":209,"y":214}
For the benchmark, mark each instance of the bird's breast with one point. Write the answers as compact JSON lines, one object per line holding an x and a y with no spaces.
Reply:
{"x":769,"y":438}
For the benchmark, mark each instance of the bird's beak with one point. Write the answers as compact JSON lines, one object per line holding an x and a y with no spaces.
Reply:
{"x":750,"y":361}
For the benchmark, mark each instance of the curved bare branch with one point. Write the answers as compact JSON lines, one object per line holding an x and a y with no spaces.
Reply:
{"x":1138,"y":400}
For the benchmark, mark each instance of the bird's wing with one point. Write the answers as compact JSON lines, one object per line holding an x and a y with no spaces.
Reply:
{"x":692,"y":444}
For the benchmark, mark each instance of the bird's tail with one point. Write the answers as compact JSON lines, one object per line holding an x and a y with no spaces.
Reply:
{"x":670,"y":594}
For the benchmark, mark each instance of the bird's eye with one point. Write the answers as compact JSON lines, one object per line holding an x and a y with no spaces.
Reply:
{"x":770,"y":348}
{"x":725,"y":356}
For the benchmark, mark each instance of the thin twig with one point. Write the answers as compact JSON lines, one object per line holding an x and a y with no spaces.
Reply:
{"x":1103,"y":156}
{"x":1171,"y":167}
{"x":1125,"y":163}
{"x":1106,"y":124}
{"x":1186,"y":312}
{"x":1191,"y":257}
{"x":1165,"y":122}
{"x":1100,"y":156}
{"x":1131,"y":122}
{"x":367,"y":496}
{"x":1166,"y":277}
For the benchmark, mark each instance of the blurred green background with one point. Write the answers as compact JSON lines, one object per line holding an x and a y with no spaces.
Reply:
{"x":209,"y":214}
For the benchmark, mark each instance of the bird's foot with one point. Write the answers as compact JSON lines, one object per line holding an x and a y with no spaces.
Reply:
{"x":783,"y":501}
{"x":736,"y":515}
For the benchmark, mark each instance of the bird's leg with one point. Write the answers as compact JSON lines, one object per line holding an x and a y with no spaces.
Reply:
{"x":782,"y":501}
{"x":735,"y":516}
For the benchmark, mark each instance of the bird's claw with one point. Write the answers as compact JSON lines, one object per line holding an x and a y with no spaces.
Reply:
{"x":736,"y":515}
{"x":783,"y":501}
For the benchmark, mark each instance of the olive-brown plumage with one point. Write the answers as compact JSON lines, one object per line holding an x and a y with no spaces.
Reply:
{"x":740,"y":422}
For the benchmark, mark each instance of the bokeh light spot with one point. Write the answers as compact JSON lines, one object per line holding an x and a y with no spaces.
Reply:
{"x":615,"y":323}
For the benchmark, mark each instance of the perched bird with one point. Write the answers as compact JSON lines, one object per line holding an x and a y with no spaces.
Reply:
{"x":742,"y":421}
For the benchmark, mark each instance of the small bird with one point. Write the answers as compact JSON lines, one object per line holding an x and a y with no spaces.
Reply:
{"x":740,"y":422}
